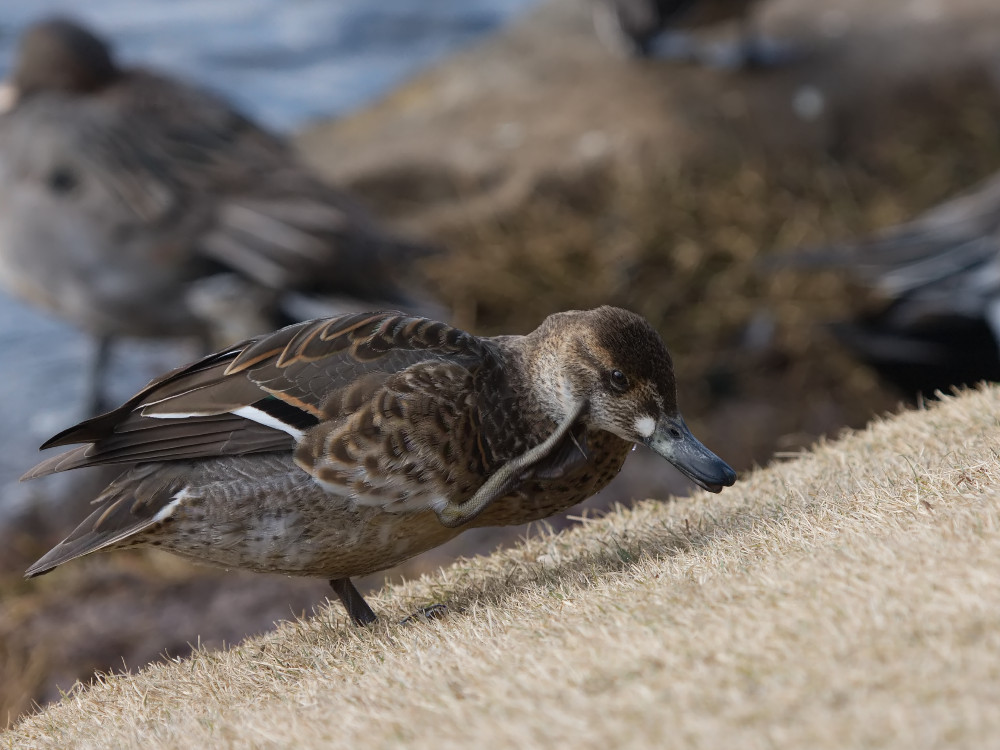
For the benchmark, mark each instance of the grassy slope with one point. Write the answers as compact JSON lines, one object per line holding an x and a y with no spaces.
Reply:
{"x":848,"y":598}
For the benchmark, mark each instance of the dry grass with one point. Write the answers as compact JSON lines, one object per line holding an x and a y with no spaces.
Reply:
{"x":848,"y":598}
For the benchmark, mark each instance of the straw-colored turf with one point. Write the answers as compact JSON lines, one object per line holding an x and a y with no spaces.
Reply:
{"x":847,"y":598}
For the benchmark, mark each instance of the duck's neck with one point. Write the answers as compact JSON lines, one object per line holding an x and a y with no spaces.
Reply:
{"x":537,"y":376}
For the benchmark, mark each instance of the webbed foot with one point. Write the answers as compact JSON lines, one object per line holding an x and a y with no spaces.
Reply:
{"x":433,"y":612}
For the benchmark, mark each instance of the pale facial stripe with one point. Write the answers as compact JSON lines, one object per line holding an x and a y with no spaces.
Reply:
{"x":645,"y":426}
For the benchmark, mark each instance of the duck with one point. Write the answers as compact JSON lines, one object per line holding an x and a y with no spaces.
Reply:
{"x":935,"y":320}
{"x":129,"y":199}
{"x":634,"y":27}
{"x":342,"y":446}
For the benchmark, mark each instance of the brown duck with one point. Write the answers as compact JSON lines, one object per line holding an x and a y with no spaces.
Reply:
{"x":132,"y":204}
{"x":339,"y":447}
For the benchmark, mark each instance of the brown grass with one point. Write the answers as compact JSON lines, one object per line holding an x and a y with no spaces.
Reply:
{"x":848,"y":598}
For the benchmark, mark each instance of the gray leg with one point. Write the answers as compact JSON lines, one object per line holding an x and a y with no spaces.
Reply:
{"x":755,"y":52}
{"x":355,"y":604}
{"x":749,"y":51}
{"x":675,"y":46}
{"x":94,"y":397}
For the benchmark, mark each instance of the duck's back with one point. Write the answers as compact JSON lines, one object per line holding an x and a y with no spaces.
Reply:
{"x":272,"y":218}
{"x":133,"y":191}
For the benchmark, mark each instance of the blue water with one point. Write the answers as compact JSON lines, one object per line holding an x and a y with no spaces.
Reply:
{"x":284,"y":62}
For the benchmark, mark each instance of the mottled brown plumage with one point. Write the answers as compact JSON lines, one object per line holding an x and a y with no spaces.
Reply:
{"x":346,"y":445}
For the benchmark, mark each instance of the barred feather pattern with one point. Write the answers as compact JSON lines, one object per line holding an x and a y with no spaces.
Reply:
{"x":325,"y":448}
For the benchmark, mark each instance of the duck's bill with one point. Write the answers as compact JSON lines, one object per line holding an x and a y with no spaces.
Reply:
{"x":673,"y":440}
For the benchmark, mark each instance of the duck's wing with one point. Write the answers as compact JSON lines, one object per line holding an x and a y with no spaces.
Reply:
{"x":272,"y":219}
{"x":944,"y":248}
{"x":135,"y":501}
{"x":265,"y":394}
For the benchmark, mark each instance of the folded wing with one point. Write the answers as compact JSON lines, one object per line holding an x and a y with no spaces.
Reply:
{"x":262,"y":395}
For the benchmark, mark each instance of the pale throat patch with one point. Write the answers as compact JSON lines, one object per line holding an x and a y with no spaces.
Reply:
{"x":556,"y":395}
{"x":645,"y":426}
{"x":565,"y":395}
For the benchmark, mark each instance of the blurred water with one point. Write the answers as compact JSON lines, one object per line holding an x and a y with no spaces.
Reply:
{"x":284,"y":62}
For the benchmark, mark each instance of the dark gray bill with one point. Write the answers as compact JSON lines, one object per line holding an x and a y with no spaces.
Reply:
{"x":673,"y":440}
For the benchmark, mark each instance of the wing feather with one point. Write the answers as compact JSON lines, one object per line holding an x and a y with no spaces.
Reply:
{"x":132,"y":503}
{"x":262,"y":395}
{"x":268,"y":217}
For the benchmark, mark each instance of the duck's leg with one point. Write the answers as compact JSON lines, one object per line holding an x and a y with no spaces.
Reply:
{"x":750,"y":50}
{"x":94,"y":397}
{"x":355,"y":604}
{"x":755,"y":51}
{"x":611,"y":31}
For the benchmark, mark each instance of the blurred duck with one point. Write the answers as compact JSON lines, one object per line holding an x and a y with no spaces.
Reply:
{"x":940,"y":278}
{"x":637,"y":28}
{"x":343,"y":446}
{"x":135,"y":205}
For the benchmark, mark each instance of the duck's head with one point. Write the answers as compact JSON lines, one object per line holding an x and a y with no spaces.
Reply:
{"x":615,"y":364}
{"x":58,"y":55}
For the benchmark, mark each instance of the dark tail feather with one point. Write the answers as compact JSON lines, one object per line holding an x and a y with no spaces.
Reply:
{"x":128,"y":506}
{"x":81,"y":542}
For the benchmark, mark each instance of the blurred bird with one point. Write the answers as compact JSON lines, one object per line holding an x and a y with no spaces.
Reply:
{"x":135,"y":205}
{"x":635,"y":27}
{"x":343,"y":446}
{"x":940,"y":278}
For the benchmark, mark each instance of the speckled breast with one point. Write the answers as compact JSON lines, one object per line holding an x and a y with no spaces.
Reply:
{"x":541,"y":498}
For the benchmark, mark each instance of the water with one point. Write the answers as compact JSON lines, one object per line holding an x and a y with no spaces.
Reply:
{"x":285,"y":62}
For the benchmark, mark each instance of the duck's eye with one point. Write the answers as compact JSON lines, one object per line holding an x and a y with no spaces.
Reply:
{"x":61,"y":180}
{"x":618,"y":381}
